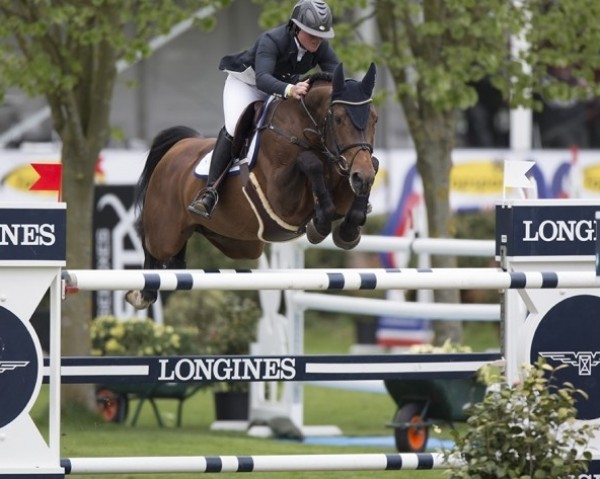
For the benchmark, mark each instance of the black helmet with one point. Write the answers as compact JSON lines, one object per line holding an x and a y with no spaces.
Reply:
{"x":314,"y":17}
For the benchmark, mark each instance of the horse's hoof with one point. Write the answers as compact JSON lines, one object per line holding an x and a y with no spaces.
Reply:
{"x":313,"y":235}
{"x":345,"y":244}
{"x":136,"y":299}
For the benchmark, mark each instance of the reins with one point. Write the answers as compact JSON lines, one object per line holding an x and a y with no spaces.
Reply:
{"x":337,"y":157}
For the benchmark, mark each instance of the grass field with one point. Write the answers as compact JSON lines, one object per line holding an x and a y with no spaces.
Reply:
{"x":356,"y":413}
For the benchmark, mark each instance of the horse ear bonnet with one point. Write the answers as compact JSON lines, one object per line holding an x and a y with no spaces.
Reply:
{"x":354,"y":95}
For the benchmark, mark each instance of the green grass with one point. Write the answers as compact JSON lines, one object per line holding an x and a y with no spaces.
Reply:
{"x":356,"y":413}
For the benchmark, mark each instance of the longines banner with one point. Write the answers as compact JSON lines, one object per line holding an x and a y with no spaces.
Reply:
{"x":33,"y":234}
{"x":546,"y":230}
{"x":146,"y":369}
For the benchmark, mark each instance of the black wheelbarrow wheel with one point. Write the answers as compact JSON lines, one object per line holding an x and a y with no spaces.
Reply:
{"x":413,"y":434}
{"x":112,"y":406}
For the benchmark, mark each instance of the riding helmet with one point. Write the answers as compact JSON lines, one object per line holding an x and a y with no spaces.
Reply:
{"x":314,"y":17}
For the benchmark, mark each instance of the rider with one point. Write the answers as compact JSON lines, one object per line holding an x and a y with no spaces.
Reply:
{"x":271,"y":67}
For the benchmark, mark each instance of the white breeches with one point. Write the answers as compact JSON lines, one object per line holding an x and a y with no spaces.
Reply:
{"x":237,"y":95}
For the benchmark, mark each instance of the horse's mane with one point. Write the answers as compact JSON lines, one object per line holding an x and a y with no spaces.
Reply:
{"x":317,"y":77}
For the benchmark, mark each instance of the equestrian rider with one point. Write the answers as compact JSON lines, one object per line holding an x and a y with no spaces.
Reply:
{"x":271,"y":67}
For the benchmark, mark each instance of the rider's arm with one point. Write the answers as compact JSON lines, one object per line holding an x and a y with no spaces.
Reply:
{"x":267,"y":53}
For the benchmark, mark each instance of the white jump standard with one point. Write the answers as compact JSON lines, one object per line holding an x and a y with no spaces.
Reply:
{"x":544,"y":281}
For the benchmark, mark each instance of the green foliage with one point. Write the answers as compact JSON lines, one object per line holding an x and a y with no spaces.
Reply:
{"x":137,"y":337}
{"x":50,"y":47}
{"x":222,"y":322}
{"x":436,"y":50}
{"x":526,"y":430}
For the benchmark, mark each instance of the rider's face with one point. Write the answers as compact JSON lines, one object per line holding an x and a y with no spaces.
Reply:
{"x":308,"y":41}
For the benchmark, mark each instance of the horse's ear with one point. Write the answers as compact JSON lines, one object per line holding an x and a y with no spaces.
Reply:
{"x":338,"y":78}
{"x":368,"y":82}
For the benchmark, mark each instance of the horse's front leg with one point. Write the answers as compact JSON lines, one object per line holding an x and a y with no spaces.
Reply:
{"x":320,"y":225}
{"x":346,"y":235}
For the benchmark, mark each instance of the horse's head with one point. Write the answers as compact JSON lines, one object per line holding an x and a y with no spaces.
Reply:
{"x":350,"y":128}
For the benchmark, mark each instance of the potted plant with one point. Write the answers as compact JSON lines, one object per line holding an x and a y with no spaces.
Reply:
{"x":112,"y":336}
{"x":527,"y":429}
{"x":224,"y":323}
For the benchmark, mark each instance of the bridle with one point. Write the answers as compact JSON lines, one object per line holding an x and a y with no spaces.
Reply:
{"x":328,"y":133}
{"x":326,"y":136}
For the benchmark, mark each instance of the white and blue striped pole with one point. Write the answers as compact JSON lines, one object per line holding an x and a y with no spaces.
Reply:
{"x":320,"y":279}
{"x":272,"y":463}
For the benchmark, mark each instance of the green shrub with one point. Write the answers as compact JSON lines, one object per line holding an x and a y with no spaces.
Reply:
{"x":527,"y":430}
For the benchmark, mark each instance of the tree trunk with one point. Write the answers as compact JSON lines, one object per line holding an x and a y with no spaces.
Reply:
{"x":78,"y":174}
{"x":434,"y":144}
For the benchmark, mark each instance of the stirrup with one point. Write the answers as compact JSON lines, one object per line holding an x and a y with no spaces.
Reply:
{"x":205,"y":203}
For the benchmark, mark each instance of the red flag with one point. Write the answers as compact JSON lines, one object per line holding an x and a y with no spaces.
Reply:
{"x":50,"y":177}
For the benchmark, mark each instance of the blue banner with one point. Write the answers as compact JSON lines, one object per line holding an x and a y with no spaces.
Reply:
{"x":36,"y":234}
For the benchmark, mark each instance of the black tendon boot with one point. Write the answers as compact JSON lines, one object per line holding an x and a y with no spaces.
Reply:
{"x":207,"y":198}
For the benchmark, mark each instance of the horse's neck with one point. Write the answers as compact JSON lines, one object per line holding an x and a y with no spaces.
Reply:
{"x":317,"y":102}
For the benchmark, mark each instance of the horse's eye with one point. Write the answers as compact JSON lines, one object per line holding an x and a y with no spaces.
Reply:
{"x":339,"y":119}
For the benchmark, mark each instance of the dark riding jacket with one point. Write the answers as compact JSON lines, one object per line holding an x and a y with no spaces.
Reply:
{"x":274,"y":60}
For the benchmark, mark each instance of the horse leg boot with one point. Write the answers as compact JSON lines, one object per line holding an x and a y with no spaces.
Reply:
{"x":207,"y":198}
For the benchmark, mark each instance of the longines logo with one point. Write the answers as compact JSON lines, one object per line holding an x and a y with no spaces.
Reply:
{"x":224,"y":369}
{"x":33,"y":234}
{"x":564,"y":336}
{"x":546,"y":230}
{"x":583,"y":360}
{"x":19,"y":371}
{"x":560,"y":230}
{"x":27,"y":234}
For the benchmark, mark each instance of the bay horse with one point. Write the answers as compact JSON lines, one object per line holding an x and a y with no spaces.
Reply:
{"x":313,"y":169}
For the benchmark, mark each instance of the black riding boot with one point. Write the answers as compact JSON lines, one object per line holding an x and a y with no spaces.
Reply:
{"x":207,"y":198}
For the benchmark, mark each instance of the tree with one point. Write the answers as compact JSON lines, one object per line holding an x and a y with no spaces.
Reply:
{"x":435,"y":51}
{"x":68,"y":51}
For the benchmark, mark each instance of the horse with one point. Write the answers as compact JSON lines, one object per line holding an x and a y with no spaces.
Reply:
{"x":312,"y":170}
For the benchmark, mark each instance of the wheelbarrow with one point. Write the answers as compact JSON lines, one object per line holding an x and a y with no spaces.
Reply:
{"x":425,"y":402}
{"x":113,"y":399}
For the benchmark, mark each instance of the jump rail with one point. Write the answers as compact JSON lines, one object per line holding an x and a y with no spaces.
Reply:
{"x":283,"y":463}
{"x":419,"y":245}
{"x":319,"y":279}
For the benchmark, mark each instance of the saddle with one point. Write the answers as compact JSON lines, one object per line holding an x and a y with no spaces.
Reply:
{"x":247,"y":124}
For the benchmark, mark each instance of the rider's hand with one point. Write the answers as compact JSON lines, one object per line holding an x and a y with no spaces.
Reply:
{"x":298,"y":90}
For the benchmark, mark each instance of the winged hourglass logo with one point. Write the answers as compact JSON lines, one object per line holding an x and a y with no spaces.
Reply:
{"x":584,"y":360}
{"x":12,"y":365}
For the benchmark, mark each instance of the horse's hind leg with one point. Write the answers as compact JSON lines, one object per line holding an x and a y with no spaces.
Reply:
{"x":143,"y":299}
{"x":346,"y":235}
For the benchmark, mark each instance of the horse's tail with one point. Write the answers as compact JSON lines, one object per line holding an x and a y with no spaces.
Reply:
{"x":161,"y":144}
